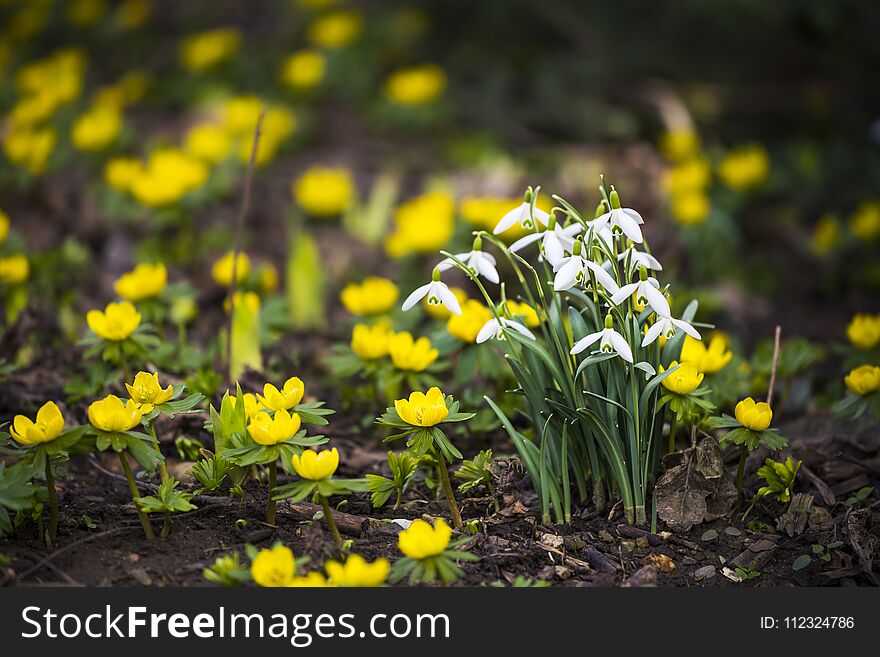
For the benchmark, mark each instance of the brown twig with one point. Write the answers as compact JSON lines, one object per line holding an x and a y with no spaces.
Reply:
{"x":774,"y":365}
{"x":236,"y":244}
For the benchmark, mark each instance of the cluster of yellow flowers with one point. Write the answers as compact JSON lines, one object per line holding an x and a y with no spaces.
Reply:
{"x":238,"y":118}
{"x":206,"y":50}
{"x":406,"y":353}
{"x":371,"y":297}
{"x":276,"y":567}
{"x":864,"y":334}
{"x":422,"y":225}
{"x":324,"y":192}
{"x":164,"y":179}
{"x":863,"y":225}
{"x":282,"y":424}
{"x":415,"y":86}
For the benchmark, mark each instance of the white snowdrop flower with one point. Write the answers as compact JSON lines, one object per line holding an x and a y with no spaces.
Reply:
{"x":647,"y":291}
{"x":477,"y":261}
{"x":620,"y":220}
{"x":437,"y":293}
{"x":575,"y":269}
{"x":556,"y":241}
{"x":494,"y":328}
{"x":522,"y":215}
{"x":610,"y":341}
{"x":639,"y":259}
{"x":666,"y":326}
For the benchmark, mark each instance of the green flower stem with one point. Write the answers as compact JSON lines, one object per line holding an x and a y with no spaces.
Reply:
{"x":740,"y":471}
{"x":673,"y":427}
{"x":331,"y":523}
{"x":166,"y":526}
{"x":123,"y":363}
{"x":163,"y":469}
{"x":53,"y":505}
{"x":135,"y":496}
{"x":447,"y":488}
{"x":270,"y":507}
{"x":398,"y":499}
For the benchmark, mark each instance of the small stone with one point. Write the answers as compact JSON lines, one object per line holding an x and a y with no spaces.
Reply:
{"x":688,"y":561}
{"x":562,"y":572}
{"x":551,"y":540}
{"x":642,"y":543}
{"x":605,"y":537}
{"x":706,"y":572}
{"x":732,"y":531}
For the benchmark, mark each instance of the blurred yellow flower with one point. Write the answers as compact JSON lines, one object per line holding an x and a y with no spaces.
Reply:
{"x":265,"y":429}
{"x":421,"y":409}
{"x":116,"y":323}
{"x":169,"y":175}
{"x":440,"y":311}
{"x":422,"y":225}
{"x":707,"y":359}
{"x":418,"y":85}
{"x":466,"y":326}
{"x":4,"y":226}
{"x":112,"y":414}
{"x":371,"y":342}
{"x":146,"y":391}
{"x":30,"y":148}
{"x":97,"y":129}
{"x":754,"y":416}
{"x":826,"y":235}
{"x":745,"y":167}
{"x":357,"y":572}
{"x":48,"y":426}
{"x":680,"y":144}
{"x":690,"y":208}
{"x":316,"y":466}
{"x":268,"y":277}
{"x":85,"y":12}
{"x":275,"y":567}
{"x":411,"y":355}
{"x":121,"y":172}
{"x":132,"y":14}
{"x":688,"y":176}
{"x":206,"y":50}
{"x":865,"y":222}
{"x":143,"y":282}
{"x":303,"y":69}
{"x":421,"y":541}
{"x":863,"y":380}
{"x":221,"y":272}
{"x":372,"y":296}
{"x":324,"y":191}
{"x":290,"y":395}
{"x":208,"y":142}
{"x":683,"y":380}
{"x":336,"y":29}
{"x":310,"y":580}
{"x":864,"y":331}
{"x":14,"y":269}
{"x":524,"y":312}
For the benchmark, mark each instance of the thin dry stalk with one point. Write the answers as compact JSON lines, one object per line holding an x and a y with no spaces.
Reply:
{"x":774,"y":365}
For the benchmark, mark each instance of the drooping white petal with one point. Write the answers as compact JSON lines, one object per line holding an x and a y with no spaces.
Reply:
{"x":510,"y":218}
{"x":553,"y":248}
{"x":621,"y":346}
{"x":516,"y":326}
{"x":602,"y":276}
{"x":567,"y":275}
{"x":628,"y":225}
{"x":624,"y":293}
{"x":417,"y":295}
{"x":687,"y":328}
{"x":656,"y":299}
{"x":653,"y":333}
{"x":540,"y":216}
{"x":449,"y":264}
{"x":585,"y":342}
{"x":635,"y":215}
{"x":490,"y":330}
{"x":447,"y":297}
{"x":486,"y":269}
{"x":523,"y":242}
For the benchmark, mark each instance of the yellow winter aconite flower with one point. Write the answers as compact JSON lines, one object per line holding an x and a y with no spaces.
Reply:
{"x":422,"y":225}
{"x":357,"y":572}
{"x":863,"y":380}
{"x":267,"y":277}
{"x":409,"y":354}
{"x":418,"y":85}
{"x":688,"y":176}
{"x":96,"y":129}
{"x":117,"y":322}
{"x":523,"y":311}
{"x":752,"y":415}
{"x":14,"y":269}
{"x":59,"y":76}
{"x":679,"y":144}
{"x":112,"y":414}
{"x":206,"y":50}
{"x":690,"y":208}
{"x":372,"y":296}
{"x":745,"y":167}
{"x":271,"y":430}
{"x":208,"y":142}
{"x":251,"y":406}
{"x":684,"y":380}
{"x":708,"y":359}
{"x":865,"y":222}
{"x":440,"y":311}
{"x":310,"y":580}
{"x":222,"y":269}
{"x":324,"y":191}
{"x":421,"y":541}
{"x":145,"y":281}
{"x":30,"y":148}
{"x":168,"y":175}
{"x":336,"y":29}
{"x":146,"y":391}
{"x":48,"y":426}
{"x":864,"y":331}
{"x":275,"y":567}
{"x":120,"y":172}
{"x":826,"y":235}
{"x":4,"y":226}
{"x":421,"y":409}
{"x":303,"y":69}
{"x":371,"y":342}
{"x":316,"y":466}
{"x":290,"y":395}
{"x":466,"y":326}
{"x":131,"y":14}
